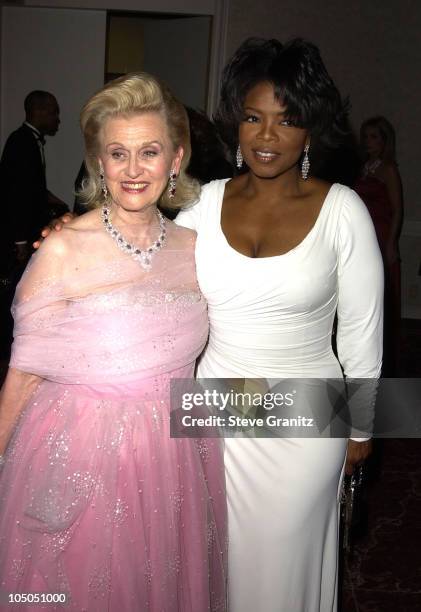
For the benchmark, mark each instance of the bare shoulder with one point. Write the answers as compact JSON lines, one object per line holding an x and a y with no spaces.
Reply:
{"x":389,"y":170}
{"x":56,"y":245}
{"x":316,"y":189}
{"x":65,"y":241}
{"x":89,"y":221}
{"x":234,"y":186}
{"x":180,"y":230}
{"x":184,"y":234}
{"x":388,"y":173}
{"x":313,"y":194}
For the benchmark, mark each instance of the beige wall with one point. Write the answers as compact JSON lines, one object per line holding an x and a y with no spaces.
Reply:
{"x":373,"y":51}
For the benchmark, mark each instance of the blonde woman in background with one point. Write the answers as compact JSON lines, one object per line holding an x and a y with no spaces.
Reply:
{"x":380,"y":187}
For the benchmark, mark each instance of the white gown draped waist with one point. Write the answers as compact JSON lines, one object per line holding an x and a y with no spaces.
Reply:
{"x":264,"y":354}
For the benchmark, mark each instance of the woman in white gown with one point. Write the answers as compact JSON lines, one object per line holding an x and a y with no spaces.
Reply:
{"x":278,"y":254}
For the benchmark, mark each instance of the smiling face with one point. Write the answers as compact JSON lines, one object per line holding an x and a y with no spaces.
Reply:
{"x":372,"y":141}
{"x":270,"y":144}
{"x":137,"y":155}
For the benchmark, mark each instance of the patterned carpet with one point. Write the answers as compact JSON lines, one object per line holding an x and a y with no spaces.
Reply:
{"x":383,"y":574}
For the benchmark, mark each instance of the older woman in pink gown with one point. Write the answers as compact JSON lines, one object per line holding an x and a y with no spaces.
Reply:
{"x":97,"y":502}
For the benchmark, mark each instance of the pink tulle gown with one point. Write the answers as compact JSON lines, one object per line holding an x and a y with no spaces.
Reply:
{"x":96,"y":500}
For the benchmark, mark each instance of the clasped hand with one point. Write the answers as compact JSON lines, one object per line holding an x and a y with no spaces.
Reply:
{"x":356,"y":454}
{"x":55,"y":224}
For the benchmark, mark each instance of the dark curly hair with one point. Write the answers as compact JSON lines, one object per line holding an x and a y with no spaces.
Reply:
{"x":301,"y":82}
{"x":207,"y":161}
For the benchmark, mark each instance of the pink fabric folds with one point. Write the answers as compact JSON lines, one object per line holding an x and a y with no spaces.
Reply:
{"x":96,"y":499}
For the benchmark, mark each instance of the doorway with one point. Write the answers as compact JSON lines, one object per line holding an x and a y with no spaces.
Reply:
{"x":175,"y":48}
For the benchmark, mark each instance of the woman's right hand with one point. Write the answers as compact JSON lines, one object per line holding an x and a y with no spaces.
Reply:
{"x":55,"y":224}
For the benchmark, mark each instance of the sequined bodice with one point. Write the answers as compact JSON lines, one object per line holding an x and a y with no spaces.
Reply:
{"x":120,"y":336}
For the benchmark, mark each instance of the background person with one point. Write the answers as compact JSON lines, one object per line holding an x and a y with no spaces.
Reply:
{"x":22,"y":165}
{"x":380,"y":187}
{"x":27,"y":205}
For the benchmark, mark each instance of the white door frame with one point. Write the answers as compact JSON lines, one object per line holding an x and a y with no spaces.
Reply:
{"x":217,"y":9}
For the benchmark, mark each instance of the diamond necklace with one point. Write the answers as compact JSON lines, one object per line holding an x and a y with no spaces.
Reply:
{"x":371,"y":167}
{"x":143,"y":257}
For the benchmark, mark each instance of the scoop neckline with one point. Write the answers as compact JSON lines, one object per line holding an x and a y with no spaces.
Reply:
{"x":306,"y":238}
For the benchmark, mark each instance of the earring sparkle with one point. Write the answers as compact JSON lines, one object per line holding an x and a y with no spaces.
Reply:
{"x":172,"y":184}
{"x":239,"y":158}
{"x":305,"y":166}
{"x":103,"y":185}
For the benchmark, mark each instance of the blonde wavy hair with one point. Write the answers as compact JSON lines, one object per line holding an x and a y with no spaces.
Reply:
{"x":135,"y":94}
{"x":387,"y":134}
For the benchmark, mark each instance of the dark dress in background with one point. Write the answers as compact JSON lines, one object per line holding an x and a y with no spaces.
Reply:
{"x":375,"y":196}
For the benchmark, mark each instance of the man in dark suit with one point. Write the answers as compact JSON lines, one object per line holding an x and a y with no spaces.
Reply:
{"x":26,"y":204}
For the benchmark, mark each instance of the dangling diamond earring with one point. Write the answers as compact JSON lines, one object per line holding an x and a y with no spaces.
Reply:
{"x":103,"y":185}
{"x":172,"y":184}
{"x":239,"y":157}
{"x":305,"y":166}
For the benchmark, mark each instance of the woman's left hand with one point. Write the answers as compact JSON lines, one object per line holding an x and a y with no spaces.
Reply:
{"x":356,"y":454}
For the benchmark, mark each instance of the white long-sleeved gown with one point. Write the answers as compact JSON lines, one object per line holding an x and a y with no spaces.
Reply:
{"x":272,"y":317}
